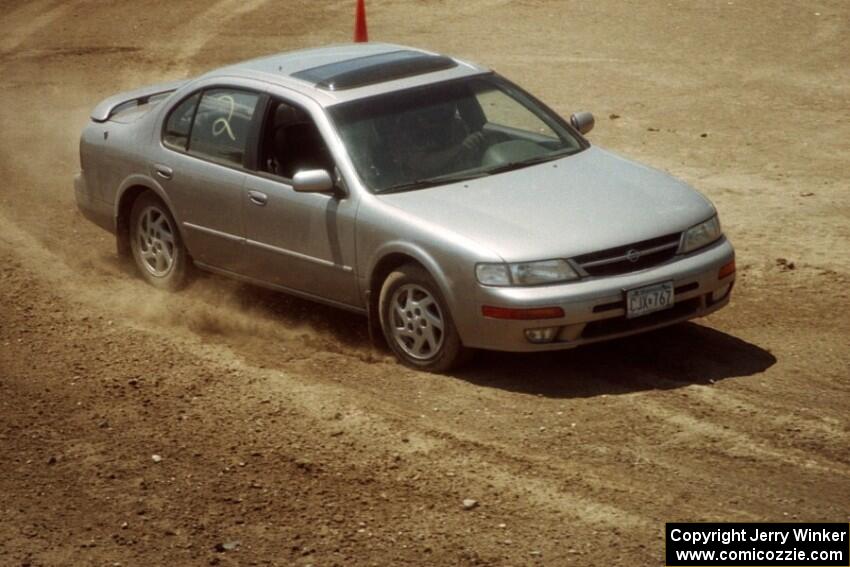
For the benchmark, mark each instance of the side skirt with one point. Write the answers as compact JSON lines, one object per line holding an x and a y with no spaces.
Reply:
{"x":275,"y":287}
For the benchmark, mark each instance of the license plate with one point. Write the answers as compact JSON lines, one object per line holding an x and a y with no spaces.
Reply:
{"x":649,"y":299}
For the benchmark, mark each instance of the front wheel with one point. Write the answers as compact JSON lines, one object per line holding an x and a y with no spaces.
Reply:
{"x":157,"y":248}
{"x":417,"y":323}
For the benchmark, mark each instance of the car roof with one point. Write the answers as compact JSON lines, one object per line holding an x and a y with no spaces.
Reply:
{"x":344,"y":72}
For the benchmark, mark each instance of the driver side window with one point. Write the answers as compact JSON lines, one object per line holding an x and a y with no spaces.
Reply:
{"x":292,"y":142}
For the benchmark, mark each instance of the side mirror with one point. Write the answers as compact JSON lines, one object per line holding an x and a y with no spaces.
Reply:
{"x":582,"y":121}
{"x":313,"y":181}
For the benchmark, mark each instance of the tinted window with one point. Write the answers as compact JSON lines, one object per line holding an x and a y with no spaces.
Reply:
{"x":179,"y":123}
{"x":373,"y":69}
{"x":446,"y":132}
{"x":223,"y":124}
{"x":293,"y":142}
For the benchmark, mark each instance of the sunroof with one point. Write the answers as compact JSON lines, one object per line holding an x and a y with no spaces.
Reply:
{"x":374,"y":69}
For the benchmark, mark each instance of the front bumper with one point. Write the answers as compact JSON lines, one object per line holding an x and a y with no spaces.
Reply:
{"x":594,"y":309}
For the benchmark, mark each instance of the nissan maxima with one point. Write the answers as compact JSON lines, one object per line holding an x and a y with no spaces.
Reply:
{"x":444,"y":202}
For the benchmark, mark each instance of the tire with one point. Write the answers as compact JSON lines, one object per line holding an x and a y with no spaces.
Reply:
{"x":158,"y":250}
{"x":416,"y":322}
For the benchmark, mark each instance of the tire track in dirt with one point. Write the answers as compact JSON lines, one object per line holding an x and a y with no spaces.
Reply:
{"x":542,"y":476}
{"x":85,"y":454}
{"x":27,"y":20}
{"x":780,"y":416}
{"x":25,"y":128}
{"x":738,"y":413}
{"x":698,"y":428}
{"x":206,"y":25}
{"x":443,"y":445}
{"x":693,"y":432}
{"x":442,"y":454}
{"x":460,"y":453}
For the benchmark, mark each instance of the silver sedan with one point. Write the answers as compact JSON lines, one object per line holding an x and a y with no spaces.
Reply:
{"x":448,"y":205}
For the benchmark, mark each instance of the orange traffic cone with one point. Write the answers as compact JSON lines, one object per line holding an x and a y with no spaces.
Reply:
{"x":361,"y":35}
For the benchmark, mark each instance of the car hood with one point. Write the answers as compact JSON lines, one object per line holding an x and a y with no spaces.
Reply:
{"x":582,"y":203}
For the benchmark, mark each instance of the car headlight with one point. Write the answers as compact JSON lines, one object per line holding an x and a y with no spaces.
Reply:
{"x":702,"y":234}
{"x":525,"y":273}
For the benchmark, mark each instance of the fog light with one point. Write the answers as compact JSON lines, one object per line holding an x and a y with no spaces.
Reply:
{"x":720,"y":293}
{"x":540,"y":336}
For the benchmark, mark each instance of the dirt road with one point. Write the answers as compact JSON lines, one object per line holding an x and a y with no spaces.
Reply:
{"x":279,"y":432}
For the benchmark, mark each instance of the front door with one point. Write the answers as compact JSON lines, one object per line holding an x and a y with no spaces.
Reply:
{"x":300,"y":241}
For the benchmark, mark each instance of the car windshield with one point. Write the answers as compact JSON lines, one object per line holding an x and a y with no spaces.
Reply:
{"x":447,"y":132}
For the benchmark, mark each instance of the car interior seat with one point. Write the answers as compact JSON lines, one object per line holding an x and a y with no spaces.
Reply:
{"x":305,"y":148}
{"x":275,"y":156}
{"x":295,"y":143}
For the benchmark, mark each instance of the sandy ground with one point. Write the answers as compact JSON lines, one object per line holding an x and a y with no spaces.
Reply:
{"x":283,"y":434}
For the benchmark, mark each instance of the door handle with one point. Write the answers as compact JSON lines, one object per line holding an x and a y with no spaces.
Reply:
{"x":163,"y":171}
{"x":257,"y":198}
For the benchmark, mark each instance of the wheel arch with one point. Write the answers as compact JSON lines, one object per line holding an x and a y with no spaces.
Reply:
{"x":394,"y":256}
{"x":126,"y":196}
{"x":452,"y":353}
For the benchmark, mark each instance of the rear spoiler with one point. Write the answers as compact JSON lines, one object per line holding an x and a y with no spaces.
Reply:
{"x":107,"y":107}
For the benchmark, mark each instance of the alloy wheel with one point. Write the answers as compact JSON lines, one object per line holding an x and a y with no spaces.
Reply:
{"x":416,"y":321}
{"x":155,"y":242}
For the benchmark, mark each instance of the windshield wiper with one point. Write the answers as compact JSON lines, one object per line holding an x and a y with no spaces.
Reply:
{"x":432,"y":182}
{"x":512,"y":165}
{"x":454,"y":178}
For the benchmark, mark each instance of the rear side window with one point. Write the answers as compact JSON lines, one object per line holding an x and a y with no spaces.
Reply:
{"x":179,"y":123}
{"x":222,"y":125}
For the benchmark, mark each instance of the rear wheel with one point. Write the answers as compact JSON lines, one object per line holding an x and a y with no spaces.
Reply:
{"x":157,"y":248}
{"x":417,"y":323}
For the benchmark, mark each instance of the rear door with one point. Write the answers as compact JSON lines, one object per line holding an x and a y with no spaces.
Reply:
{"x":207,"y":139}
{"x":300,"y":241}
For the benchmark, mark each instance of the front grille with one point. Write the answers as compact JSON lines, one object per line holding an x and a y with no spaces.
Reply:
{"x":622,"y":324}
{"x":631,"y":257}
